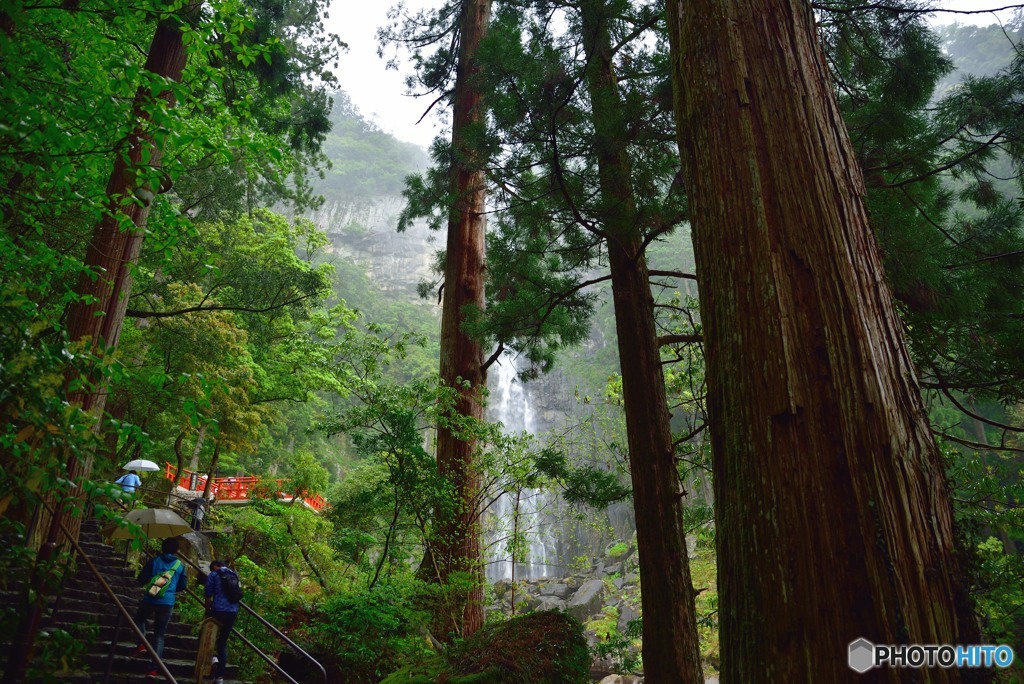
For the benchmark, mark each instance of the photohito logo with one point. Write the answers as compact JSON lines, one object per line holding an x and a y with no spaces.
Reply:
{"x":864,"y":655}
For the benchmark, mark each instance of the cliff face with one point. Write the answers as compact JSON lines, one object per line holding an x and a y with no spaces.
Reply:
{"x":364,"y":232}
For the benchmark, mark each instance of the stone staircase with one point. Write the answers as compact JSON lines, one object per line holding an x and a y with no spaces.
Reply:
{"x":84,"y":602}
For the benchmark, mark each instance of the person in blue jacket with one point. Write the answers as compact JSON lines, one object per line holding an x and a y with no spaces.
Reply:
{"x":129,"y":482}
{"x":222,"y":609}
{"x":159,"y":607}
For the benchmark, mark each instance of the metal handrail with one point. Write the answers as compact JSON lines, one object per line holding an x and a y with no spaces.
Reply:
{"x":123,"y":612}
{"x":278,"y":633}
{"x":248,"y":643}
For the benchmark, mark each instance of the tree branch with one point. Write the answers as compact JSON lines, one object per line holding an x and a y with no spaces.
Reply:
{"x":137,"y":313}
{"x":665,"y":340}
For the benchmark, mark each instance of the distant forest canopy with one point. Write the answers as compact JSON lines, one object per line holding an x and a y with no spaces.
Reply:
{"x":978,"y":50}
{"x":366,"y":162}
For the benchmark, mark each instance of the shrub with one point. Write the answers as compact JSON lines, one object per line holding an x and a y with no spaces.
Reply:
{"x":538,"y":648}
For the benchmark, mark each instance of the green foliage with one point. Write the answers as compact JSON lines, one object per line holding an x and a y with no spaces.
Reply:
{"x":617,"y":549}
{"x":950,"y":231}
{"x":623,"y":647}
{"x":366,"y":162}
{"x":1000,"y":596}
{"x":541,"y":648}
{"x":978,"y":50}
{"x":583,"y":485}
{"x":371,"y":632}
{"x":61,"y":652}
{"x":703,"y":574}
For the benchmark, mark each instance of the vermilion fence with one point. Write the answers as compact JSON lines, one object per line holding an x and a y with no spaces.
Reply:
{"x":231,"y":488}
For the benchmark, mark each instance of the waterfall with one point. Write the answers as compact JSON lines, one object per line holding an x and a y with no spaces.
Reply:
{"x":510,"y":404}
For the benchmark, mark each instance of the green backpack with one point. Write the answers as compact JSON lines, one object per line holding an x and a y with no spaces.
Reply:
{"x":158,"y":584}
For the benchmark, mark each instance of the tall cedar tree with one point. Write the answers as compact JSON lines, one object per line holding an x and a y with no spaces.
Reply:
{"x":583,"y":197}
{"x":833,"y":519}
{"x":670,"y":645}
{"x":97,"y":314}
{"x":455,"y":546}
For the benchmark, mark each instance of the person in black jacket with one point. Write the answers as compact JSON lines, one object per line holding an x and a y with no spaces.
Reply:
{"x":222,"y":609}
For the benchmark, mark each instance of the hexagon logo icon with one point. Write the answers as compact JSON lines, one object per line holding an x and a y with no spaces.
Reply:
{"x":862,"y":655}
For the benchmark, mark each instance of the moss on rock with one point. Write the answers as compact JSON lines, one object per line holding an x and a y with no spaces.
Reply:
{"x":546,"y":647}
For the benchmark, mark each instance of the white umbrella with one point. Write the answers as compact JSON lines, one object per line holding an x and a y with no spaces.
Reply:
{"x":143,"y":465}
{"x":156,"y":523}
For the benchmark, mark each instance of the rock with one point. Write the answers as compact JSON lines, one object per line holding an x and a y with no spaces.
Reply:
{"x":500,"y":587}
{"x":558,"y":589}
{"x":621,"y":679}
{"x":612,"y":568}
{"x":631,"y":578}
{"x":626,"y":614}
{"x":619,"y":551}
{"x":691,"y":545}
{"x":550,"y":603}
{"x":495,"y":653}
{"x":618,"y":582}
{"x":587,"y":600}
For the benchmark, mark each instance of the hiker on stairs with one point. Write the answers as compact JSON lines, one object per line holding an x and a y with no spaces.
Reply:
{"x":223,"y":593}
{"x":162,"y":577}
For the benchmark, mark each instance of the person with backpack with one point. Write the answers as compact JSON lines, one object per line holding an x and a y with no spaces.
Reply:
{"x":223,"y":594}
{"x":129,"y":482}
{"x":161,"y":578}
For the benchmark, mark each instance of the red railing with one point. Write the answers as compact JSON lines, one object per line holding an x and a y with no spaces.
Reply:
{"x":231,"y":488}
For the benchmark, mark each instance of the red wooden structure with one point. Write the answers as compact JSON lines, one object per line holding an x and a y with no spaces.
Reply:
{"x":232,"y":489}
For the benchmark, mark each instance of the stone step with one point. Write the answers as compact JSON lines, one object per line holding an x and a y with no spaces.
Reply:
{"x":178,"y":648}
{"x":179,"y":667}
{"x":68,"y":617}
{"x":133,"y":678}
{"x":89,"y":677}
{"x":128,"y":596}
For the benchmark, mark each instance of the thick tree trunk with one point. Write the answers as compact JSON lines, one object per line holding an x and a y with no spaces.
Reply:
{"x":193,"y":463}
{"x":833,"y":519}
{"x":671,"y":648}
{"x":456,"y":541}
{"x":98,"y":314}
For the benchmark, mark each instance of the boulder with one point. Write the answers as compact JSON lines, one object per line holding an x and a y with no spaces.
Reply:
{"x":550,"y":603}
{"x":500,"y":587}
{"x":558,"y":589}
{"x":622,"y":679}
{"x":626,"y":614}
{"x":587,"y":600}
{"x":618,"y":552}
{"x":540,"y":648}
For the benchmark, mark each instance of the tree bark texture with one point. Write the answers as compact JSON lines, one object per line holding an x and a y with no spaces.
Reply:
{"x":456,"y":546}
{"x":833,"y":517}
{"x":671,"y":648}
{"x":97,"y":315}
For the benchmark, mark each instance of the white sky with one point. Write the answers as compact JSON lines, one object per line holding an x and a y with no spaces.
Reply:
{"x":375,"y":90}
{"x":379,"y":93}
